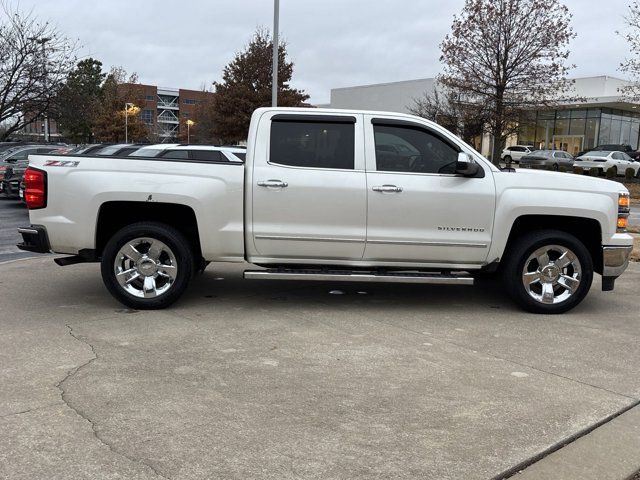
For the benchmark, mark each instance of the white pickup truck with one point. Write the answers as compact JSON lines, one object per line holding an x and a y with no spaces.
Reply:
{"x":334,"y":195}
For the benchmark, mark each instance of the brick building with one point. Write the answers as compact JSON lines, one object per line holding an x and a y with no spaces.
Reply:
{"x":165,"y":110}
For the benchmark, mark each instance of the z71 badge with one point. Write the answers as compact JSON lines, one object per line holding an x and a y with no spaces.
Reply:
{"x":61,"y":163}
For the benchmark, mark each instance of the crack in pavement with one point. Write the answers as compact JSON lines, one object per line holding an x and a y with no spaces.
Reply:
{"x":84,"y":416}
{"x":34,"y":409}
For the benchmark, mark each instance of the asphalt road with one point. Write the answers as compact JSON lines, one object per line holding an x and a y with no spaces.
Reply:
{"x":286,"y":380}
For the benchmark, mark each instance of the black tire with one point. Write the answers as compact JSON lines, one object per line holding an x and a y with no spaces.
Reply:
{"x":179,"y":247}
{"x":517,"y":256}
{"x":507,"y":159}
{"x":555,"y":167}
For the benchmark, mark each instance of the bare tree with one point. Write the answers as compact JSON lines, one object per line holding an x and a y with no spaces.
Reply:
{"x":34,"y":62}
{"x":631,"y":66}
{"x":465,"y":119}
{"x":508,"y":56}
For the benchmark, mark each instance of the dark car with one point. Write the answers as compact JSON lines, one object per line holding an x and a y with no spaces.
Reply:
{"x":614,"y":147}
{"x":553,"y":159}
{"x":14,"y":165}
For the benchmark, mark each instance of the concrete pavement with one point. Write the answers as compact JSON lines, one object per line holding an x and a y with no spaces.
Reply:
{"x":285,"y":380}
{"x":13,"y":214}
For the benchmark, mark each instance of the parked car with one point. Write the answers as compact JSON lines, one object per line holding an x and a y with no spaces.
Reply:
{"x":14,"y":165}
{"x":626,"y":148}
{"x":118,"y":150}
{"x":204,"y":153}
{"x":318,"y":200}
{"x":553,"y":159}
{"x":515,"y":153}
{"x":152,"y":150}
{"x":88,"y":149}
{"x":604,"y":160}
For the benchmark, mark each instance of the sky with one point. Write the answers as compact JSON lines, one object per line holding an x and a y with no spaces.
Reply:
{"x":333,"y":43}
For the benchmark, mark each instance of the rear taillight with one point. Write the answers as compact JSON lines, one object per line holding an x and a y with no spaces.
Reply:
{"x":35,"y":188}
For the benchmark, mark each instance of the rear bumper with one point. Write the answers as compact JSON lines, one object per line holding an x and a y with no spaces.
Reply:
{"x":615,"y":260}
{"x":11,"y":188}
{"x":35,"y":239}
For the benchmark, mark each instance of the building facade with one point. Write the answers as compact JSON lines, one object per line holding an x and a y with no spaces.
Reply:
{"x":602,"y":116}
{"x":166,"y":110}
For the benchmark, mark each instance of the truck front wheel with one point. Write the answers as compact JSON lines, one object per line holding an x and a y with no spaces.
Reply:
{"x":548,"y":271}
{"x":147,"y":265}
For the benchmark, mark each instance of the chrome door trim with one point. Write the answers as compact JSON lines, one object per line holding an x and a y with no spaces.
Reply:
{"x":309,"y":239}
{"x":428,"y":244}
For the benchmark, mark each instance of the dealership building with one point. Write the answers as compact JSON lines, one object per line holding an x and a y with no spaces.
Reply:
{"x":602,"y":115}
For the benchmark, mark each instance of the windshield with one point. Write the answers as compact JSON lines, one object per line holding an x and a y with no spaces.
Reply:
{"x":598,"y":153}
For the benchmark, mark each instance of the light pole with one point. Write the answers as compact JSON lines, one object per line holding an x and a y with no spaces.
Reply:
{"x":42,"y":41}
{"x":274,"y":79}
{"x":190,"y":123}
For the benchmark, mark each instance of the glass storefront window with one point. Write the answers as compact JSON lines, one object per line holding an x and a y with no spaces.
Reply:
{"x":562,"y":126}
{"x":591,"y":133}
{"x":635,"y":133}
{"x":605,"y":129}
{"x":625,"y":132}
{"x":577,"y":126}
{"x":544,"y":133}
{"x":616,"y":126}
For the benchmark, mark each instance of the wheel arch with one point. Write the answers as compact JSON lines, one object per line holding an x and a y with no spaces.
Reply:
{"x":587,"y":230}
{"x":115,"y":215}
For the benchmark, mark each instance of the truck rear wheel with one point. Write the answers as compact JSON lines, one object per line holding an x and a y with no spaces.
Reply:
{"x":548,"y":271}
{"x":147,"y":265}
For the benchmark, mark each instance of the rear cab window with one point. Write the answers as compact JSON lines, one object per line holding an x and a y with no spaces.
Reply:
{"x":308,"y":141}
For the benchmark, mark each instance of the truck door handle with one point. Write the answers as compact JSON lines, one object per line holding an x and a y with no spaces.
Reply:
{"x":387,"y":189}
{"x":273,"y":183}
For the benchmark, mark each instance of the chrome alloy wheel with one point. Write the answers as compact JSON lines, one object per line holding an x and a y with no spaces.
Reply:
{"x":145,"y":267}
{"x":552,"y":274}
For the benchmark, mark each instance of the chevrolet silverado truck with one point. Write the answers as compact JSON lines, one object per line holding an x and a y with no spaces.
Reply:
{"x":334,"y":195}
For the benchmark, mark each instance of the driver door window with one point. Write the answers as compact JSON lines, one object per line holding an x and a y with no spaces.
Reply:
{"x":413,"y":150}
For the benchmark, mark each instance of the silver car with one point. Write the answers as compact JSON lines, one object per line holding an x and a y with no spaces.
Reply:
{"x":553,"y":159}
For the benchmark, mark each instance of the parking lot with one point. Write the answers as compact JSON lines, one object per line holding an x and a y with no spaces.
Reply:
{"x":253,"y":379}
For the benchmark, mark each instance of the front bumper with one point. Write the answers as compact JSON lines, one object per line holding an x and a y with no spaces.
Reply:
{"x":35,"y":239}
{"x":615,"y":260}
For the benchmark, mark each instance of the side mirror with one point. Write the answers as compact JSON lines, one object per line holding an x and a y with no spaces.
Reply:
{"x":466,"y":165}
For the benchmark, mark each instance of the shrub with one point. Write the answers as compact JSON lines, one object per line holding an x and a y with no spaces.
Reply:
{"x":594,"y":172}
{"x":612,"y":172}
{"x":629,"y":173}
{"x":578,"y":170}
{"x":562,"y":169}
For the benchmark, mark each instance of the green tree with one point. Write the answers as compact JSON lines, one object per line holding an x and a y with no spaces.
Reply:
{"x":246,"y":85}
{"x":79,"y":101}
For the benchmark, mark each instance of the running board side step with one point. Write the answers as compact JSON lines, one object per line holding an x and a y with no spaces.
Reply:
{"x":336,"y":276}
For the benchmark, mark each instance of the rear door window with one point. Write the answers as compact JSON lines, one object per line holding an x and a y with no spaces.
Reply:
{"x":313,"y":144}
